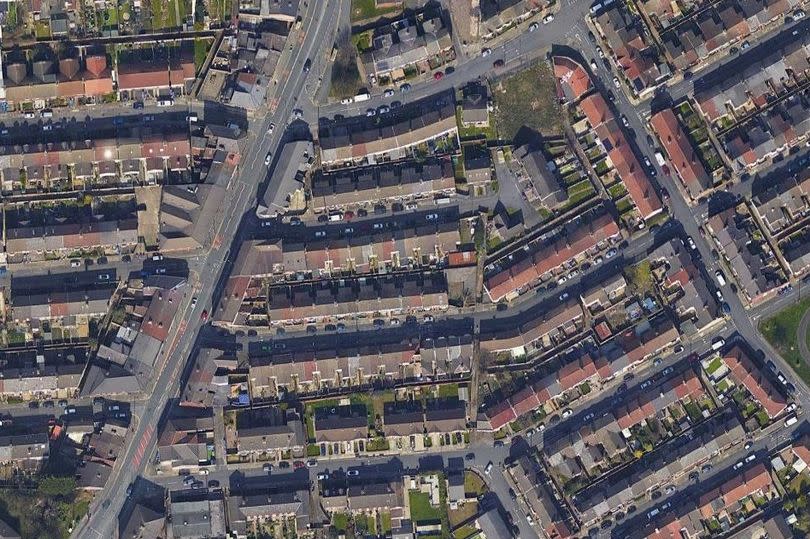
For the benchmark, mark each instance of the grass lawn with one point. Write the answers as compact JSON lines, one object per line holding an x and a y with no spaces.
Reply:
{"x":528,"y":98}
{"x":473,"y":484}
{"x":465,"y":511}
{"x":715,"y":364}
{"x":158,"y":12}
{"x":366,"y":9}
{"x":36,"y":515}
{"x":448,"y":391}
{"x":340,"y":521}
{"x":781,"y":332}
{"x":201,"y":46}
{"x":421,"y":510}
{"x":42,"y":30}
{"x":474,"y":132}
{"x":465,"y":531}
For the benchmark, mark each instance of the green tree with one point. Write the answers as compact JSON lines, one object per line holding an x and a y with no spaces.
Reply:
{"x":57,"y":486}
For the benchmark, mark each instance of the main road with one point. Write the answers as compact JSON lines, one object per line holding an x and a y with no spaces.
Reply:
{"x":315,"y":38}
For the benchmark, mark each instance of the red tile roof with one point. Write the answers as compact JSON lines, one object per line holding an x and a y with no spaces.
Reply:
{"x":746,"y":373}
{"x":681,"y":154}
{"x":571,"y":73}
{"x":736,"y":488}
{"x":500,"y":415}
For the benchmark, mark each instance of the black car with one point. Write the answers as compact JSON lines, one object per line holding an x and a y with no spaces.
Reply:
{"x":137,"y":105}
{"x":512,"y":493}
{"x":307,"y":65}
{"x":470,"y":456}
{"x":213,"y":483}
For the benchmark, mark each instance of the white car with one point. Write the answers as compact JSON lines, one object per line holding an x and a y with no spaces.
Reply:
{"x":594,"y":66}
{"x":267,"y":159}
{"x":486,"y":52}
{"x":352,"y":473}
{"x":533,"y":26}
{"x":625,"y":121}
{"x":488,"y":468}
{"x":567,"y":412}
{"x":432,"y":216}
{"x":389,"y":92}
{"x":599,"y":52}
{"x":193,"y":302}
{"x":371,"y":112}
{"x":548,"y":18}
{"x":270,"y":129}
{"x":616,"y":82}
{"x":799,"y":14}
{"x":320,"y":234}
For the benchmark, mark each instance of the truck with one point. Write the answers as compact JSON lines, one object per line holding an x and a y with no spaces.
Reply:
{"x":364,"y":96}
{"x":659,"y":158}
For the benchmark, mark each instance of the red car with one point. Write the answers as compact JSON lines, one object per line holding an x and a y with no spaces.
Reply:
{"x":298,"y":464}
{"x":438,"y":75}
{"x":665,"y":169}
{"x":204,"y":316}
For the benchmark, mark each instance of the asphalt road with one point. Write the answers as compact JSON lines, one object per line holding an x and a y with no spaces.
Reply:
{"x":318,"y":19}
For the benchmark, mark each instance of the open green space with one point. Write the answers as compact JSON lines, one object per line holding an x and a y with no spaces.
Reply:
{"x":528,"y":98}
{"x":367,"y":9}
{"x":781,"y":331}
{"x":48,"y":512}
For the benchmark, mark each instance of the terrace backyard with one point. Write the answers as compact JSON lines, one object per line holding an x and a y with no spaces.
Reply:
{"x":527,"y":99}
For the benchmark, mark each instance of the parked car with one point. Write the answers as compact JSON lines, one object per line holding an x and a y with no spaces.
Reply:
{"x":353,"y":473}
{"x":533,"y":26}
{"x":616,"y":82}
{"x":497,"y":63}
{"x":548,"y":18}
{"x":488,"y":469}
{"x":486,"y":52}
{"x":438,"y":75}
{"x":388,"y":93}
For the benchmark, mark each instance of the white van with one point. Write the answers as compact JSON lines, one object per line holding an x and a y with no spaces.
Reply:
{"x":721,"y":279}
{"x":718,"y":344}
{"x":791,"y":420}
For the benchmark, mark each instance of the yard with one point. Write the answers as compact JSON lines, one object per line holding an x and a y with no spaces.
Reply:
{"x":781,"y":331}
{"x":421,"y":510}
{"x":367,"y":9}
{"x":529,"y":99}
{"x":44,"y":514}
{"x":473,"y":484}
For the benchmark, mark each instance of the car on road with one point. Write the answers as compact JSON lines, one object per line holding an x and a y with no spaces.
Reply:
{"x":625,"y":121}
{"x":616,"y":82}
{"x":488,"y":468}
{"x":721,"y":279}
{"x":137,"y":105}
{"x":130,"y":488}
{"x":567,"y":412}
{"x":594,"y":65}
{"x":691,"y":243}
{"x":548,"y":18}
{"x":307,"y":65}
{"x":588,"y":417}
{"x":353,"y":473}
{"x":670,"y":489}
{"x":431,"y":216}
{"x":311,"y":463}
{"x":371,"y":112}
{"x":298,"y":114}
{"x":564,"y":296}
{"x":270,"y":128}
{"x":739,"y":465}
{"x":268,"y":158}
{"x":745,"y":44}
{"x":748,"y":445}
{"x":657,"y":361}
{"x":438,"y":75}
{"x":267,"y":467}
{"x":298,"y":464}
{"x":75,"y":263}
{"x":188,"y":480}
{"x":388,"y":93}
{"x":678,"y":349}
{"x":611,"y":253}
{"x":213,"y":483}
{"x":204,"y":315}
{"x":512,"y":493}
{"x":405,"y":88}
{"x":470,"y":456}
{"x":486,"y":52}
{"x":283,"y":464}
{"x":497,"y":63}
{"x":799,"y":14}
{"x":664,"y":191}
{"x":384,"y":109}
{"x":533,"y":26}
